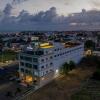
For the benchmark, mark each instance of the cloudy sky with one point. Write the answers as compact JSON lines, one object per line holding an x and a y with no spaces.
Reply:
{"x":49,"y":15}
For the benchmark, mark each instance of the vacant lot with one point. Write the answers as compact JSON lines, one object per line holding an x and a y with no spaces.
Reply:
{"x":63,"y":87}
{"x":7,"y":55}
{"x":91,"y":91}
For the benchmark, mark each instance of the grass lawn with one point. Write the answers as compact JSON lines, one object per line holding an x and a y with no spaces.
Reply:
{"x":7,"y":55}
{"x":63,"y":87}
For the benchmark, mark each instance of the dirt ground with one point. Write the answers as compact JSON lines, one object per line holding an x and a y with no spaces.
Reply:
{"x":63,"y":87}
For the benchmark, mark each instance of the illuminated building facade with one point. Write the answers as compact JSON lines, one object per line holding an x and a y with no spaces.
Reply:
{"x":39,"y":63}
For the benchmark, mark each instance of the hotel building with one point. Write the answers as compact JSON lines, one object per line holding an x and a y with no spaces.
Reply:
{"x":39,"y":63}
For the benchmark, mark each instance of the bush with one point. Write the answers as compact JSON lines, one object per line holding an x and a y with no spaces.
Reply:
{"x":72,"y":65}
{"x":96,"y":75}
{"x":90,"y":61}
{"x":67,"y":67}
{"x":89,"y":44}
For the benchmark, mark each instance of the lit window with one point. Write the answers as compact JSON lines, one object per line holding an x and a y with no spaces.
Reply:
{"x":57,"y":71}
{"x":29,"y":79}
{"x":36,"y":73}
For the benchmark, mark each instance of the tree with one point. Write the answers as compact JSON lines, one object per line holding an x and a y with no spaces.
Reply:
{"x":90,"y":61}
{"x":65,"y":68}
{"x":89,"y":44}
{"x":96,"y":75}
{"x":72,"y":65}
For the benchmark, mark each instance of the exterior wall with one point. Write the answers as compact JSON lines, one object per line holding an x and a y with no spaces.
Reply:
{"x":48,"y":65}
{"x":68,"y":54}
{"x":46,"y":79}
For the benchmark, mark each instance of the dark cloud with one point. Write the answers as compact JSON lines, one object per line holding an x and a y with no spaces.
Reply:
{"x":50,"y":20}
{"x":7,"y":10}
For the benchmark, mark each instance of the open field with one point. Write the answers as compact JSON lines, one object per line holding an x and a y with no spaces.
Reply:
{"x":91,"y":91}
{"x":63,"y":87}
{"x":7,"y":55}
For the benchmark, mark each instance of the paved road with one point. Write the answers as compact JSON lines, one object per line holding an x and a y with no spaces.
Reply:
{"x":5,"y":85}
{"x":6,"y":72}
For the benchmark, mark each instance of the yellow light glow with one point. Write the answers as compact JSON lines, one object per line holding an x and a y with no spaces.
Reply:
{"x":29,"y":79}
{"x":88,"y":52}
{"x":44,"y":44}
{"x":47,"y":47}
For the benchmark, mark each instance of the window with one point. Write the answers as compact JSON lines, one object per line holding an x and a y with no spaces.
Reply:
{"x":51,"y":57}
{"x":42,"y":60}
{"x":55,"y":56}
{"x":28,"y":65}
{"x":46,"y":71}
{"x":46,"y":65}
{"x":22,"y":57}
{"x":27,"y":71}
{"x":60,"y":54}
{"x":51,"y":70}
{"x":36,"y":73}
{"x":55,"y":50}
{"x":39,"y":53}
{"x":46,"y":58}
{"x":35,"y":66}
{"x":35,"y":60}
{"x":60,"y":48}
{"x":21,"y":64}
{"x":28,"y":59}
{"x":43,"y":74}
{"x":22,"y":70}
{"x":51,"y":63}
{"x":46,"y":52}
{"x":42,"y":67}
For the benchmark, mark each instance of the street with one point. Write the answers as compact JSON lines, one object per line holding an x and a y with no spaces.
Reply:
{"x":7,"y":72}
{"x":10,"y":86}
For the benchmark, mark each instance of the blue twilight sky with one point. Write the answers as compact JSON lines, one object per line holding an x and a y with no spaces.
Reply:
{"x":49,"y":14}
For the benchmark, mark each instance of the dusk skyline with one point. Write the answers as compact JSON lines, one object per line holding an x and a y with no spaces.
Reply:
{"x":49,"y":15}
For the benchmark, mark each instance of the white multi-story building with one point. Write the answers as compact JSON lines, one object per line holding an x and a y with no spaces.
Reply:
{"x":39,"y":63}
